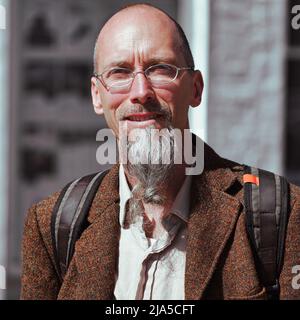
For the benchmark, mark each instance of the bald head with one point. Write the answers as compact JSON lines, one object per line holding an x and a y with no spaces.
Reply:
{"x":145,"y":15}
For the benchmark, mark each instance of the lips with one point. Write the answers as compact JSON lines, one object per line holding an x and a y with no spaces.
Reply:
{"x":139,"y":117}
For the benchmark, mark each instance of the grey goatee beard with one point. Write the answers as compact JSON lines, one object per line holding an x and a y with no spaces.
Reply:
{"x":154,"y":172}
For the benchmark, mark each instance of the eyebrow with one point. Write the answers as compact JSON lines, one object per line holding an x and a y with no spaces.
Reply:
{"x":117,"y":63}
{"x":152,"y":61}
{"x":157,"y":60}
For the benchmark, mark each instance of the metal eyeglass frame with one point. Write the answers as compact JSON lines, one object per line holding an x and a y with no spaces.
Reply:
{"x":134,"y":73}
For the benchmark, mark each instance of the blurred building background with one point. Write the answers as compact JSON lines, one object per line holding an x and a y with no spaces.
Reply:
{"x":247,"y":50}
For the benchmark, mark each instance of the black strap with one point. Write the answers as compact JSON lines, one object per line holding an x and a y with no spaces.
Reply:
{"x":266,"y":206}
{"x":69,"y":218}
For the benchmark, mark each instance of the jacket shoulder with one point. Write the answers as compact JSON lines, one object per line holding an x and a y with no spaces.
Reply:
{"x":38,"y":277}
{"x":294,"y":193}
{"x":39,"y":214}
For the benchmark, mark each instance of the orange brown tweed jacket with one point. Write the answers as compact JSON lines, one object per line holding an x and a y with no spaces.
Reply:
{"x":219,"y":260}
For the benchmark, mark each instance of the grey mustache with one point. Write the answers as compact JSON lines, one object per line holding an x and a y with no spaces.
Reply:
{"x":141,"y":109}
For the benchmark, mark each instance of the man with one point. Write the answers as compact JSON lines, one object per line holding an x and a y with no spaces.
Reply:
{"x":154,"y":233}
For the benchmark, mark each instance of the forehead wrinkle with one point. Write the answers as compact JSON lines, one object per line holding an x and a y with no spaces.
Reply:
{"x":137,"y":50}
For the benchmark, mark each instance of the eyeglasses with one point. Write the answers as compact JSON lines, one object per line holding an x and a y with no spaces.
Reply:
{"x":158,"y":75}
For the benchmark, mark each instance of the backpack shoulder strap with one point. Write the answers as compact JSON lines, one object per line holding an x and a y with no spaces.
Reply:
{"x":69,"y":218}
{"x":266,"y":198}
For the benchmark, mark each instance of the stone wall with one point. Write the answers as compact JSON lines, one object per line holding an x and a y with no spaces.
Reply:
{"x":246,"y":88}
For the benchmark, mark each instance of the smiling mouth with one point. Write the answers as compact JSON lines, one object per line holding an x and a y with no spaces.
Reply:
{"x":139,"y":117}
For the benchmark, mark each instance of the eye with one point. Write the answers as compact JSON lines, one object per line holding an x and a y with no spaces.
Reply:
{"x":161,"y":72}
{"x":118,"y":72}
{"x":161,"y":69}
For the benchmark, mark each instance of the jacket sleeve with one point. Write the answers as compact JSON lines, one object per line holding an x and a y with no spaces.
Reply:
{"x":290,"y":275}
{"x":38,"y":280}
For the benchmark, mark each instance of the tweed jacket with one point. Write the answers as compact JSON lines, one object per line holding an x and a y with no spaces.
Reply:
{"x":219,"y":259}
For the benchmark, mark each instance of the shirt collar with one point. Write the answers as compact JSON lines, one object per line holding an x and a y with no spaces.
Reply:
{"x":125,"y":195}
{"x":181,"y":204}
{"x":180,"y":207}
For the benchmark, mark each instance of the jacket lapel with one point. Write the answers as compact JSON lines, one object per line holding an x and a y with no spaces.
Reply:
{"x":213,"y":218}
{"x":96,"y":253}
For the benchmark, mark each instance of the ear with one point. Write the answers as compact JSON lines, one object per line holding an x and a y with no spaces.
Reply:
{"x":96,"y":96}
{"x":198,"y":86}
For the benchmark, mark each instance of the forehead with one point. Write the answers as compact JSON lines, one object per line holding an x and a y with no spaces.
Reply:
{"x":138,"y":37}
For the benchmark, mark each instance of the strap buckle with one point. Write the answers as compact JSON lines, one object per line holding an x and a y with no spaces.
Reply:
{"x":273,"y":291}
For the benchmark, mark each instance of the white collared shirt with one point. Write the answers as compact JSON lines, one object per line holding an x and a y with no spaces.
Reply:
{"x":152,"y":269}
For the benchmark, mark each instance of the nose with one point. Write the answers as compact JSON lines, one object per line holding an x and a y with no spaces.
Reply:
{"x":141,"y":90}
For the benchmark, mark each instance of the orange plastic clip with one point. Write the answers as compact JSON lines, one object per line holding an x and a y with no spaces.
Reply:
{"x":251,"y":178}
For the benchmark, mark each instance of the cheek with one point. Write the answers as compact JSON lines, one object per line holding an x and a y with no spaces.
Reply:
{"x":110,"y":104}
{"x":178,"y":103}
{"x":176,"y":100}
{"x":111,"y":101}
